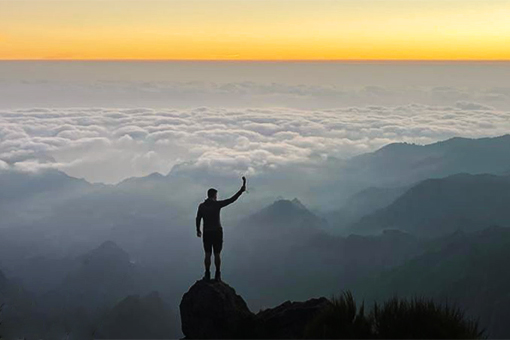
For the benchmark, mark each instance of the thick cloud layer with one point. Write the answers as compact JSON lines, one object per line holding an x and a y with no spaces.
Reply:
{"x":109,"y":145}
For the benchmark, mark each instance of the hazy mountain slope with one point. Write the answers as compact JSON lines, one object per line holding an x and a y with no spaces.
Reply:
{"x":440,"y":206}
{"x":360,"y":204}
{"x":401,"y":163}
{"x":268,"y":245}
{"x":278,"y":253}
{"x":101,"y":278}
{"x":40,"y":274}
{"x":25,"y":196}
{"x":96,"y":281}
{"x":372,"y":199}
{"x":283,"y":217}
{"x":20,"y":185}
{"x":285,"y":252}
{"x":54,"y":214}
{"x":137,"y":317}
{"x":18,"y":313}
{"x":468,"y":269}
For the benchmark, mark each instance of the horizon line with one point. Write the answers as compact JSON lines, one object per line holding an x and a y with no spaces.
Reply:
{"x":269,"y":60}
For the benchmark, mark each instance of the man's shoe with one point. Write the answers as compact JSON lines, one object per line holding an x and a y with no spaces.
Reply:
{"x":217,"y":277}
{"x":207,"y":276}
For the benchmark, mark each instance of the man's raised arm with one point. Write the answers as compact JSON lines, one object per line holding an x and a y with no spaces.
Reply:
{"x":234,"y":198}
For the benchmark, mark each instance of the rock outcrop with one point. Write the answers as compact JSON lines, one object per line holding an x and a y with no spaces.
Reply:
{"x":213,"y":310}
{"x":288,"y":320}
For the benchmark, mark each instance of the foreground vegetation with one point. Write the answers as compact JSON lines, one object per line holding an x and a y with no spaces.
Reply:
{"x":394,"y":319}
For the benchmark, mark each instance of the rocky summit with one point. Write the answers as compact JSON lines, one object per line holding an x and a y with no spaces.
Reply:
{"x":213,"y":310}
{"x":288,"y":320}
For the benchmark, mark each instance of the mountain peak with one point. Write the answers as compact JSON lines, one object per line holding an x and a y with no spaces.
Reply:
{"x":286,"y":206}
{"x":396,"y":147}
{"x":155,"y":176}
{"x":107,"y":252}
{"x":295,"y":201}
{"x":108,"y":246}
{"x":286,"y":214}
{"x":298,"y":203}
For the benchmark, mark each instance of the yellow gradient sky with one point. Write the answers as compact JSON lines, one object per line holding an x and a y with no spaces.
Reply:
{"x":255,"y":29}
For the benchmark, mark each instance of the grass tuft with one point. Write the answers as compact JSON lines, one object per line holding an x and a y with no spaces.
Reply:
{"x":396,"y":318}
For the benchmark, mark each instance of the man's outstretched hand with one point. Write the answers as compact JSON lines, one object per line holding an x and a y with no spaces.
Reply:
{"x":243,"y":188}
{"x":199,"y":233}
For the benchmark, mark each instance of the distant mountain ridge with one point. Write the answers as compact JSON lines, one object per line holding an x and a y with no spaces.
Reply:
{"x":441,"y":206}
{"x":393,"y":165}
{"x":16,"y":184}
{"x":399,"y":164}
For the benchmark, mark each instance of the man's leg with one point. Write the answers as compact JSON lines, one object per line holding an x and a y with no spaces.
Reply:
{"x":208,"y":253}
{"x":217,"y":262}
{"x":218,"y":246}
{"x":207,"y":262}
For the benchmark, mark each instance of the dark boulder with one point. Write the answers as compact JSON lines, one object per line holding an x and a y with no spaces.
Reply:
{"x":213,"y":310}
{"x":288,"y":320}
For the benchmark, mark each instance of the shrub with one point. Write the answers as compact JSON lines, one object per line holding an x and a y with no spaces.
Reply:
{"x":341,"y":320}
{"x":421,"y":318}
{"x":394,"y":319}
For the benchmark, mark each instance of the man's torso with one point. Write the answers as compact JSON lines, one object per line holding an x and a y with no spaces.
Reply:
{"x":210,"y":211}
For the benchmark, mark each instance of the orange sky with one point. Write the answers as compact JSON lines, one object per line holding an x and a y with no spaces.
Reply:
{"x":255,"y":29}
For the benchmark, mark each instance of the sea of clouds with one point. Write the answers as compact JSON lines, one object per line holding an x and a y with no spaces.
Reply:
{"x":108,"y":145}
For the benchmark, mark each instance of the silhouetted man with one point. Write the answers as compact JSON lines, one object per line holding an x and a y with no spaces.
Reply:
{"x":209,"y":210}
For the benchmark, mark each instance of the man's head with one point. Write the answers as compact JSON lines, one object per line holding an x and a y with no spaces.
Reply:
{"x":212,"y":194}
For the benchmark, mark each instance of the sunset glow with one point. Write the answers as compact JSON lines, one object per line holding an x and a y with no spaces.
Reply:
{"x":255,"y":30}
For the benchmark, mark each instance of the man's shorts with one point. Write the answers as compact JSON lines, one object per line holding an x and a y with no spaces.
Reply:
{"x":213,"y":240}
